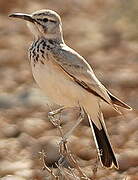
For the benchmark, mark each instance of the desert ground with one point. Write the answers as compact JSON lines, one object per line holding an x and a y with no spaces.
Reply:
{"x":105,"y":32}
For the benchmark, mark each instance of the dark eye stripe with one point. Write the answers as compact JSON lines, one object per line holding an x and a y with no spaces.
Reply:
{"x":45,"y":20}
{"x":40,"y":19}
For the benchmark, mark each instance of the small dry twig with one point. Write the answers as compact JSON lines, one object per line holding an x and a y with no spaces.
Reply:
{"x":46,"y":167}
{"x":64,"y":150}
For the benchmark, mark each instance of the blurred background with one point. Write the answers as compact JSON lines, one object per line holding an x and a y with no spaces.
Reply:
{"x":105,"y":32}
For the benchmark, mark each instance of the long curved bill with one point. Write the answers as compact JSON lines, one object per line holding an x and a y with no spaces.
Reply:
{"x":26,"y":17}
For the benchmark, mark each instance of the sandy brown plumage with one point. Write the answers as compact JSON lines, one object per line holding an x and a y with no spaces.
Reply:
{"x":67,"y":78}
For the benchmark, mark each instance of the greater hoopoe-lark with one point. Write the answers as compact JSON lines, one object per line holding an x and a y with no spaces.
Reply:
{"x":67,"y":78}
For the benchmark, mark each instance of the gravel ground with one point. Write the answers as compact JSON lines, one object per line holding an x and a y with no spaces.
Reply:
{"x":105,"y":33}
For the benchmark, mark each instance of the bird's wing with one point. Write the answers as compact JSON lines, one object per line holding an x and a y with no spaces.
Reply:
{"x":76,"y":67}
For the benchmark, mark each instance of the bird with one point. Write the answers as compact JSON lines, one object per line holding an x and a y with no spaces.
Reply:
{"x":67,"y":78}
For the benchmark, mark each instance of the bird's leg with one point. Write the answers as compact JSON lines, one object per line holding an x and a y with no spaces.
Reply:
{"x":80,"y":118}
{"x":56,"y":121}
{"x":65,"y":152}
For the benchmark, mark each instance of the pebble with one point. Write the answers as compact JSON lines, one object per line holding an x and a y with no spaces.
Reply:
{"x":128,"y":159}
{"x":9,"y":148}
{"x":8,"y":167}
{"x":13,"y":177}
{"x":34,"y":97}
{"x":82,"y":148}
{"x":11,"y":130}
{"x":7,"y":101}
{"x":33,"y":126}
{"x":26,"y":173}
{"x":50,"y":145}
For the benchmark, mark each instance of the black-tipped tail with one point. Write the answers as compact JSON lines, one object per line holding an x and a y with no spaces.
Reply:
{"x":105,"y":151}
{"x":118,"y":102}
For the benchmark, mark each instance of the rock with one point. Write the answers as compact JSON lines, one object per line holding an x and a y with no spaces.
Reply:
{"x":82,"y":148}
{"x":7,"y":101}
{"x":9,"y":148}
{"x":133,"y":170}
{"x":50,"y":145}
{"x":83,"y":132}
{"x":128,"y":159}
{"x":33,"y":126}
{"x":7,"y":167}
{"x":86,"y":153}
{"x":26,"y":140}
{"x":12,"y":177}
{"x":118,"y":140}
{"x":26,"y":173}
{"x":11,"y":130}
{"x":34,"y":97}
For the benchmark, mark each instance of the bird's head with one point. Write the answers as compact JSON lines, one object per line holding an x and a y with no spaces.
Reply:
{"x":45,"y":23}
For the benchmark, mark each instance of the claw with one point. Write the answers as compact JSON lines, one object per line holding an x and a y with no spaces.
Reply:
{"x":57,"y":111}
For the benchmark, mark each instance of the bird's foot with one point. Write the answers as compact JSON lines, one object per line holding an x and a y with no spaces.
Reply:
{"x":53,"y":118}
{"x":55,"y":112}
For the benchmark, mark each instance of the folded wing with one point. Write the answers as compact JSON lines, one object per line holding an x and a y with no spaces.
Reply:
{"x":77,"y":68}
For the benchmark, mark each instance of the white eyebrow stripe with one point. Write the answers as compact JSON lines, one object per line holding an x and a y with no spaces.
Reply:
{"x":51,"y":20}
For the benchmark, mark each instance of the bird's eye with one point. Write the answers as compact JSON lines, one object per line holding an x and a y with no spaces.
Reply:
{"x":45,"y":19}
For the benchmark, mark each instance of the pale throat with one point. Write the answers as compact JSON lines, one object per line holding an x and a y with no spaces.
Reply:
{"x":54,"y":36}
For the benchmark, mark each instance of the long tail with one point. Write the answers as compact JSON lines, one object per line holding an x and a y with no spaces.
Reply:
{"x":104,"y":148}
